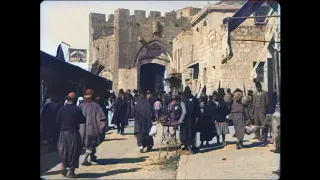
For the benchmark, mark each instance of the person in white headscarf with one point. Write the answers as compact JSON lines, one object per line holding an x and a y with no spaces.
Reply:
{"x":238,"y":117}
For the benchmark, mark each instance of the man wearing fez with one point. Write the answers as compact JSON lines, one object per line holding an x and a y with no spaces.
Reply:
{"x":92,"y":133}
{"x":259,"y":109}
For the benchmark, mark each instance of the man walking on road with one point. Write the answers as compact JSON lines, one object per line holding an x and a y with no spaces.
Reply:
{"x":259,"y":110}
{"x":92,"y":133}
{"x":70,"y":117}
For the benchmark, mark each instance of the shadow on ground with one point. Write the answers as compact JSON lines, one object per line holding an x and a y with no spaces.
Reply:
{"x":234,"y":142}
{"x":48,"y":161}
{"x":121,"y":160}
{"x":108,"y":173}
{"x":204,"y":150}
{"x":128,"y":134}
{"x":256,"y":144}
{"x":50,"y":173}
{"x":164,"y":148}
{"x":115,"y":139}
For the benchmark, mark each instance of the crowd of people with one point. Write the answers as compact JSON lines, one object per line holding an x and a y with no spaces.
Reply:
{"x":79,"y":126}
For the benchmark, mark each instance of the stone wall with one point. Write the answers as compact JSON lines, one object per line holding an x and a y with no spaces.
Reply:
{"x":187,"y":12}
{"x":182,"y":55}
{"x":182,"y":50}
{"x":104,"y":50}
{"x":207,"y":48}
{"x":98,"y":28}
{"x":130,"y":33}
{"x":127,"y":79}
{"x":207,"y":38}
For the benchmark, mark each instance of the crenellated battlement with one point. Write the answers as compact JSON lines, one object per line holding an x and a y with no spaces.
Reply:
{"x":111,"y":17}
{"x":154,"y":14}
{"x":139,"y":15}
{"x":122,"y":11}
{"x":171,"y":15}
{"x":117,"y":40}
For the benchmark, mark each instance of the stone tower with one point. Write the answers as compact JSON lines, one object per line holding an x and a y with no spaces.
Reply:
{"x":118,"y":42}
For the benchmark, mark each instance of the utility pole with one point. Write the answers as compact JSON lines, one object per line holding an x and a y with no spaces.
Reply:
{"x":277,"y":61}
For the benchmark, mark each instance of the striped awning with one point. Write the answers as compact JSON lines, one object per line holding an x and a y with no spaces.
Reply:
{"x":245,"y":11}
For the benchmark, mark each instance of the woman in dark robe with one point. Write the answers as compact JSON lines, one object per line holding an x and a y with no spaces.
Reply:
{"x":70,"y":117}
{"x":143,"y":114}
{"x":188,"y":129}
{"x":238,"y":117}
{"x":220,"y":113}
{"x":205,"y":123}
{"x":119,"y":116}
{"x":50,"y":128}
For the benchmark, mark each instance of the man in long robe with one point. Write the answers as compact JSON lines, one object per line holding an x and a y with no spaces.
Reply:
{"x":92,"y":133}
{"x":70,"y":117}
{"x":119,"y":116}
{"x":143,"y":114}
{"x":190,"y":112}
{"x":205,"y":123}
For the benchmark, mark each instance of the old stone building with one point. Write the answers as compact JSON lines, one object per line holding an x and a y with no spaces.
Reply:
{"x":127,"y":45}
{"x":139,"y":52}
{"x":200,"y":53}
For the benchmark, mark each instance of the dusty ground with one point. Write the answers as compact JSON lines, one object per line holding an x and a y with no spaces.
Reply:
{"x":119,"y":158}
{"x":255,"y":161}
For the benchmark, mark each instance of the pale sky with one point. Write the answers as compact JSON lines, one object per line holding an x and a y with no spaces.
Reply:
{"x":68,"y":21}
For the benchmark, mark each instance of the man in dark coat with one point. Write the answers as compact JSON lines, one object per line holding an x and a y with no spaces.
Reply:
{"x":259,"y":109}
{"x":205,"y":123}
{"x":188,"y":119}
{"x":250,"y":106}
{"x":120,"y":112}
{"x":70,"y":117}
{"x":135,"y":97}
{"x":50,"y":128}
{"x":129,"y":105}
{"x":144,"y":118}
{"x":92,"y":133}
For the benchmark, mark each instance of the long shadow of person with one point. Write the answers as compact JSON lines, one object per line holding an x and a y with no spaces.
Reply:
{"x":108,"y":173}
{"x":121,"y":160}
{"x":256,"y":144}
{"x":115,"y":139}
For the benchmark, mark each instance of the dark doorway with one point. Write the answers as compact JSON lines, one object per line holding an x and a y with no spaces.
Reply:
{"x":151,"y":77}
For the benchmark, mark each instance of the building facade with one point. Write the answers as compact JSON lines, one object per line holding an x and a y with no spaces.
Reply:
{"x":125,"y":42}
{"x":200,"y":51}
{"x":192,"y":42}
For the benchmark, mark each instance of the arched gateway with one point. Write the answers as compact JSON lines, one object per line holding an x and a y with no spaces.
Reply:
{"x":153,"y":65}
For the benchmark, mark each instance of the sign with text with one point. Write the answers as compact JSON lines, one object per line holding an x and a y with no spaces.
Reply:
{"x":78,"y":55}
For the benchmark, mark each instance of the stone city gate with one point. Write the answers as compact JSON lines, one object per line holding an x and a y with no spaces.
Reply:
{"x":153,"y":65}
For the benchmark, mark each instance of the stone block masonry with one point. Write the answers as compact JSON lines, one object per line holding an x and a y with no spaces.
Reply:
{"x":129,"y":34}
